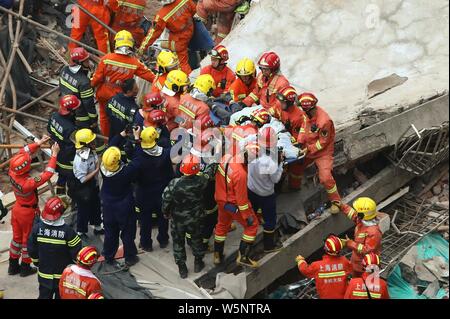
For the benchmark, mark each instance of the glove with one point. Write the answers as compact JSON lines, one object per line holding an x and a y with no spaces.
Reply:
{"x":222,"y":84}
{"x":299,"y":258}
{"x":249,"y":221}
{"x":243,"y":119}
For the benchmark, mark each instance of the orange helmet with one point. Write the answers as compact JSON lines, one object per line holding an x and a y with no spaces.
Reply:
{"x":270,"y":60}
{"x":157,"y":117}
{"x":153,"y":100}
{"x":267,"y":137}
{"x":20,"y":164}
{"x":68,"y":104}
{"x":260,"y":116}
{"x":190,"y":165}
{"x":220,"y":52}
{"x":53,"y":209}
{"x":287,"y":95}
{"x":371,"y":259}
{"x":87,"y":256}
{"x":96,"y":295}
{"x":307,"y":101}
{"x":333,"y":245}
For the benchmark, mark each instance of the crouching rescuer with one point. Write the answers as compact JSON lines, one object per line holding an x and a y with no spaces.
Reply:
{"x":183,"y":202}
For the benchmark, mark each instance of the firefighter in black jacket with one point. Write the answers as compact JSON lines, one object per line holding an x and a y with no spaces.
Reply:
{"x":52,"y":246}
{"x":61,"y":127}
{"x":74,"y":80}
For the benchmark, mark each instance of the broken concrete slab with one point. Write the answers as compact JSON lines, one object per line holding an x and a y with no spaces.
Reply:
{"x":432,"y":290}
{"x":438,"y":267}
{"x":380,"y":86}
{"x":422,"y":272}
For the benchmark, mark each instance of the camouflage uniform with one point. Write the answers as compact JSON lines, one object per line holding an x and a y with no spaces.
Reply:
{"x":183,"y":200}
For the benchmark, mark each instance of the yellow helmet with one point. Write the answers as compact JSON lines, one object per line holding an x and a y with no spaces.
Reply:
{"x":245,"y":67}
{"x":111,"y":159}
{"x":167,"y":60}
{"x":83,"y":137}
{"x":123,"y":39}
{"x":176,"y":79}
{"x":148,"y":137}
{"x":205,"y":84}
{"x":366,"y":206}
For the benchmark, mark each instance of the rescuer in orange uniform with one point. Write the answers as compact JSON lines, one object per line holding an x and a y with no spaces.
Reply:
{"x":236,"y":134}
{"x":176,"y":84}
{"x":233,"y":203}
{"x":223,"y":76}
{"x":316,"y":139}
{"x":226,"y":10}
{"x":128,"y":16}
{"x":245,"y":82}
{"x":81,"y":21}
{"x":167,"y":61}
{"x":193,"y":104}
{"x":26,"y":206}
{"x":367,"y":232}
{"x":178,"y":17}
{"x":268,"y":82}
{"x":330,"y":273}
{"x":370,"y":285}
{"x":113,"y":70}
{"x":78,"y":281}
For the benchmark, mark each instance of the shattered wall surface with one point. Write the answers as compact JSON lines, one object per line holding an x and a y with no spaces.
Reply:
{"x":337,"y":48}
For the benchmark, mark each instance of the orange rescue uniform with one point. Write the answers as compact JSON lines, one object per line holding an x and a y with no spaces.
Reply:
{"x":367,"y":240}
{"x":158,"y":82}
{"x":266,"y":90}
{"x":357,"y":288}
{"x":222,"y":78}
{"x":78,"y":283}
{"x":81,"y":21}
{"x":171,"y":109}
{"x":239,"y":90}
{"x":190,"y":109}
{"x":129,"y":15}
{"x":231,"y":188}
{"x":235,"y":134}
{"x":177,"y":17}
{"x":330,"y":275}
{"x":112,"y":71}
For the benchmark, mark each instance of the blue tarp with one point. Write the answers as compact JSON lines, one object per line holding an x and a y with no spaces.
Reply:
{"x":428,"y":247}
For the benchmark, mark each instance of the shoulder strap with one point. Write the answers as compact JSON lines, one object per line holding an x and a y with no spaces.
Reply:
{"x":367,"y":289}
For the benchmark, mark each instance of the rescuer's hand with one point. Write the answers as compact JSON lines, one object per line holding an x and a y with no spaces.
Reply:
{"x":137,"y":132}
{"x":44,"y":139}
{"x":55,"y":149}
{"x":299,"y":258}
{"x":249,"y":221}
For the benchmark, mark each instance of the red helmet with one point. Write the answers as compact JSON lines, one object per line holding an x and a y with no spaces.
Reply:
{"x":205,"y":122}
{"x":260,"y":116}
{"x":270,"y":60}
{"x":307,"y":101}
{"x":96,"y":295}
{"x":220,"y":52}
{"x":371,"y":259}
{"x":53,"y":209}
{"x":288,"y":95}
{"x":68,"y":103}
{"x":153,"y":117}
{"x":87,"y":256}
{"x":267,"y":137}
{"x":333,"y":245}
{"x":78,"y":55}
{"x":20,"y":164}
{"x":153,"y":100}
{"x":190,"y":165}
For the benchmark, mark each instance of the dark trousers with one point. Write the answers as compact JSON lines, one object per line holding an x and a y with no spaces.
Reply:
{"x":268,"y":205}
{"x":179,"y":230}
{"x":88,"y":202}
{"x":48,"y":289}
{"x":119,"y":220}
{"x":149,"y":204}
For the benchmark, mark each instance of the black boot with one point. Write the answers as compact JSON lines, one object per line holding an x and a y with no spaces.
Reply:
{"x":27,"y":270}
{"x":218,"y":252}
{"x":270,"y":245}
{"x":14,"y":267}
{"x":243,"y":258}
{"x":198,"y":264}
{"x":182,"y":269}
